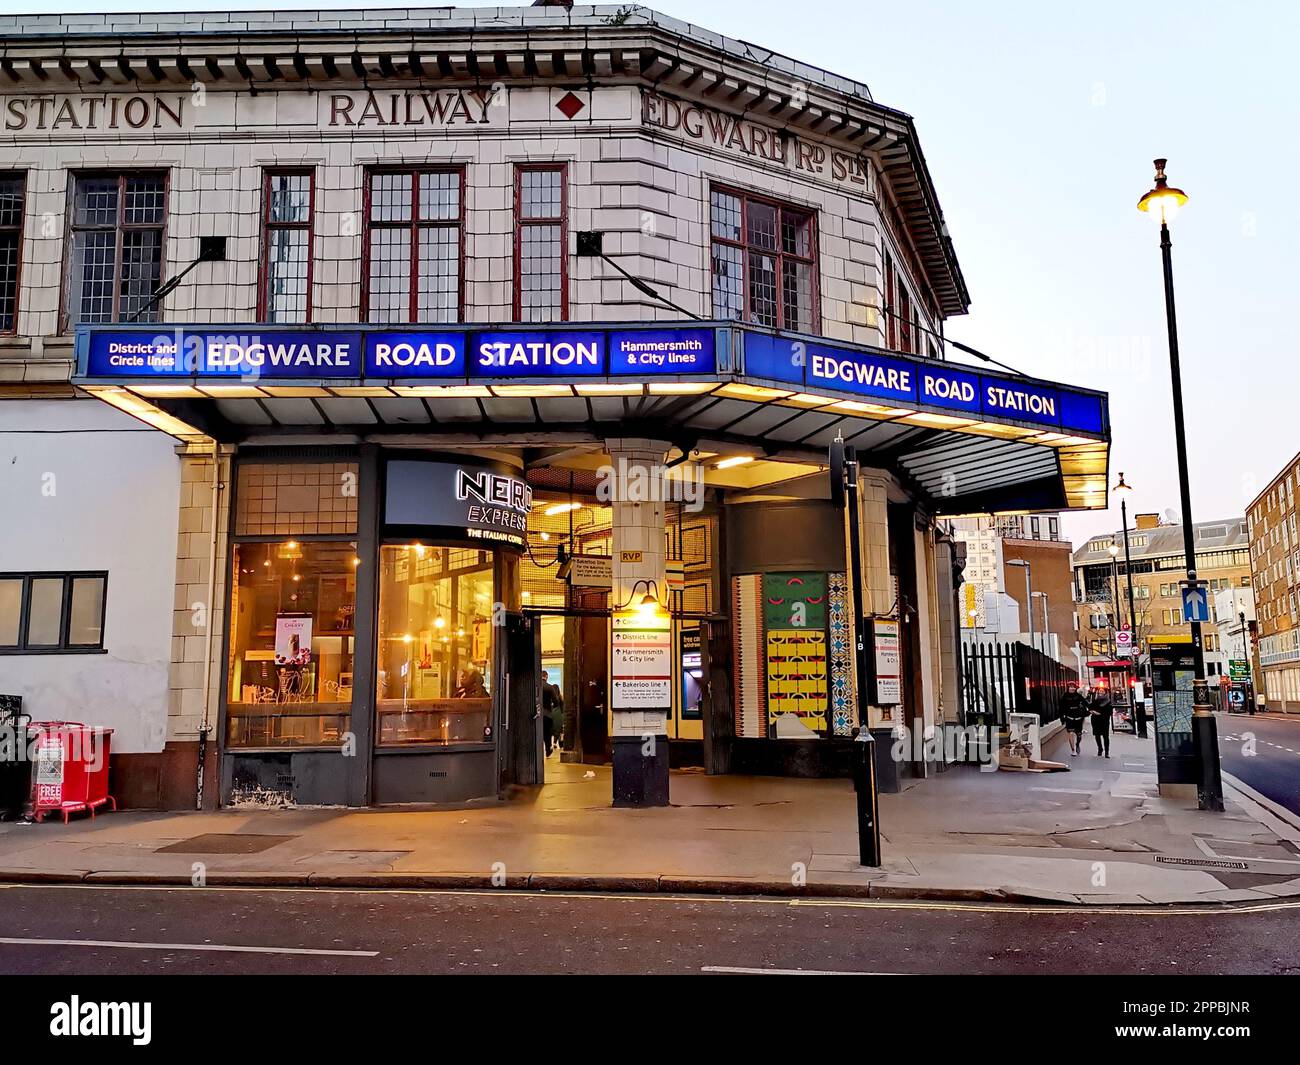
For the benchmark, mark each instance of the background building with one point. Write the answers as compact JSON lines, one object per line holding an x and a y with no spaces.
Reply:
{"x":992,"y":595}
{"x":1275,"y":563}
{"x":1159,"y":563}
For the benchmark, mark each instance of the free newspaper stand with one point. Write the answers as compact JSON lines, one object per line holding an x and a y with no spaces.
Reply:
{"x":71,"y":772}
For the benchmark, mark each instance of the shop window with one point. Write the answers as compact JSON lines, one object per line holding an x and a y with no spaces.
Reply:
{"x":292,"y":643}
{"x":296,"y":499}
{"x":42,"y":613}
{"x":764,"y":262}
{"x":287,"y":246}
{"x":11,"y":243}
{"x":414,"y":246}
{"x":434,"y":645}
{"x":116,"y":241}
{"x":541,"y":243}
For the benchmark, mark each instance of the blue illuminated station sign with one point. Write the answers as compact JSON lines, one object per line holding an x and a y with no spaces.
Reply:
{"x":369,"y":354}
{"x":337,"y":355}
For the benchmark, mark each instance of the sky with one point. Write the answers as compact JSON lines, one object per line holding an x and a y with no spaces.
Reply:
{"x":1039,"y":122}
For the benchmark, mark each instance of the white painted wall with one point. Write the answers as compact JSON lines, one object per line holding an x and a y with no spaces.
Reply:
{"x":87,"y":487}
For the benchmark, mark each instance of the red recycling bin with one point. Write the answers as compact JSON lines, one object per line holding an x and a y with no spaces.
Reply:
{"x":71,"y":770}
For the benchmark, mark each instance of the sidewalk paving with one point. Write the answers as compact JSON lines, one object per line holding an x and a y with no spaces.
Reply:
{"x":1097,"y":834}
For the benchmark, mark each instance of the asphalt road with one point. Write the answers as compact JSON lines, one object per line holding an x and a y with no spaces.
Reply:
{"x":1264,"y":752}
{"x":123,"y":930}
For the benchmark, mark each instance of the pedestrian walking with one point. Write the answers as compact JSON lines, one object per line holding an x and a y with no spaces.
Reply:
{"x":1073,"y":711}
{"x":1100,"y":711}
{"x":552,"y":713}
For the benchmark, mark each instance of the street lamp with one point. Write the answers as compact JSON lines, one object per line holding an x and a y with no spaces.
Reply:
{"x":1162,"y":203}
{"x":1114,"y":598}
{"x":1047,"y":623}
{"x":1029,"y":596}
{"x":1139,"y":719}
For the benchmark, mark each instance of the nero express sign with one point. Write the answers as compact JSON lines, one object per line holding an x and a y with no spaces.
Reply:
{"x":477,"y":502}
{"x":446,"y":355}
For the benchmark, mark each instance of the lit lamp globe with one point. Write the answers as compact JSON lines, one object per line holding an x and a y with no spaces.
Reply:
{"x":1163,"y":201}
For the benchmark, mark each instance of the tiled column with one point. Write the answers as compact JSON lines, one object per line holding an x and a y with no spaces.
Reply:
{"x":194,"y":614}
{"x":640,"y":736}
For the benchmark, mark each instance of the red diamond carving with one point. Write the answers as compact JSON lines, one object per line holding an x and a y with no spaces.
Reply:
{"x":569,"y":105}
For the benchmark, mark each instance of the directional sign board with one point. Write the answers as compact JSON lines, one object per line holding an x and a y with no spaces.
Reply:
{"x":1196,"y":601}
{"x":1238,"y":669}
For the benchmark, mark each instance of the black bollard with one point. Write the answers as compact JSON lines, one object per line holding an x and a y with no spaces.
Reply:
{"x":864,"y":783}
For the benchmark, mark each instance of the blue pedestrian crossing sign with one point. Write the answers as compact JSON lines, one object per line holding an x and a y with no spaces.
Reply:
{"x":1196,"y":601}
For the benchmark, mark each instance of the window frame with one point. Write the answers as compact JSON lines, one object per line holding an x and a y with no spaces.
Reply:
{"x":269,"y":227}
{"x":813,"y":259}
{"x":120,"y":226}
{"x":19,"y":230}
{"x":414,"y":224}
{"x":63,"y":647}
{"x":562,"y":168}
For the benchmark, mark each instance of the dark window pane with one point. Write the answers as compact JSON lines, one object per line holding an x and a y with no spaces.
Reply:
{"x":390,"y":197}
{"x":728,"y":277}
{"x":286,"y":275}
{"x":762,"y":289}
{"x":45,"y":612}
{"x":11,"y":606}
{"x":539,"y":193}
{"x":440,"y":196}
{"x":724,"y":213}
{"x":290,"y":198}
{"x":796,"y":284}
{"x":11,"y":200}
{"x":141,"y":271}
{"x":85,"y":624}
{"x":439,"y":292}
{"x":390,"y":275}
{"x":8,"y":280}
{"x":95,"y":202}
{"x":144,"y":200}
{"x":94,"y":254}
{"x":796,"y":233}
{"x":760,"y":222}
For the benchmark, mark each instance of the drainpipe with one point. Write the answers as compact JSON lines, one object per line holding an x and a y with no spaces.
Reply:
{"x":204,"y":728}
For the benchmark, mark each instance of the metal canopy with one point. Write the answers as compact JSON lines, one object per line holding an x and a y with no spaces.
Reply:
{"x":955,"y":470}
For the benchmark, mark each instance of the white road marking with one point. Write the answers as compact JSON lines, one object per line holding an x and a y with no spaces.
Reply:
{"x":740,"y":970}
{"x":222,"y":947}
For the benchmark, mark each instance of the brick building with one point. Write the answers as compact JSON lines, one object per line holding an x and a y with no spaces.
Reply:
{"x":1159,"y":563}
{"x":1275,"y":563}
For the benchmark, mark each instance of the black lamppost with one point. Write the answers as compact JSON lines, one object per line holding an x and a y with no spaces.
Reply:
{"x":1161,"y":203}
{"x":1138,"y":718}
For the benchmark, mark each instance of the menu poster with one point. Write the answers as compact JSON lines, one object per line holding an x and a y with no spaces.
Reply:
{"x":293,"y":640}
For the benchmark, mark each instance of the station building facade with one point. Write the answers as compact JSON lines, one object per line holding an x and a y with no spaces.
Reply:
{"x":432,"y":358}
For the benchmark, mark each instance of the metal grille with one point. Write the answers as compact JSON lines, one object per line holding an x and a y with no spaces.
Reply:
{"x":414,"y":246}
{"x":11,"y":235}
{"x":117,"y":245}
